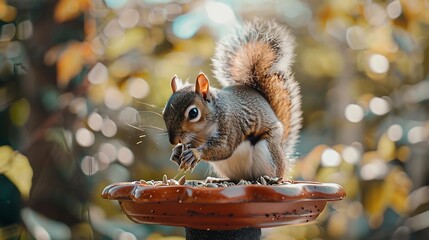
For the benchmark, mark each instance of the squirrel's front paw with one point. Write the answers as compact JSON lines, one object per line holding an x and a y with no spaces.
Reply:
{"x":176,"y":153}
{"x":190,"y":158}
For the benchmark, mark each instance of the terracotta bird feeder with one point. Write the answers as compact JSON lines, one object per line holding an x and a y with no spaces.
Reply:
{"x":213,"y":211}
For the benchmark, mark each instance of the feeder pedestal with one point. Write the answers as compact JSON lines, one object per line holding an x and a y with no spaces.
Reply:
{"x":239,"y":234}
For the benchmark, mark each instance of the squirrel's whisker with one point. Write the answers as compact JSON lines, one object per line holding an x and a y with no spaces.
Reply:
{"x":156,"y":113}
{"x":144,"y":127}
{"x":148,"y":104}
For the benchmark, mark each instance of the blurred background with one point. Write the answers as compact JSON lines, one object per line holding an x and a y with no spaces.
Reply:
{"x":83,"y":83}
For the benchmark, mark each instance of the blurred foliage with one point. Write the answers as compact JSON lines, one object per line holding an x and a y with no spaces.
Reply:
{"x":17,"y":169}
{"x":82,"y":85}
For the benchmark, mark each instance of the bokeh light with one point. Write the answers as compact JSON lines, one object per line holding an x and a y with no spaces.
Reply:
{"x":95,"y":121}
{"x":138,"y":87}
{"x":416,"y":134}
{"x":89,"y":166}
{"x":125,"y":156}
{"x":351,"y":154}
{"x":109,"y":127}
{"x":356,"y":37}
{"x":113,"y":29}
{"x":113,"y":98}
{"x":395,"y":132}
{"x":377,"y":169}
{"x":354,"y":113}
{"x":219,"y":12}
{"x":375,"y":14}
{"x":379,"y":106}
{"x":186,"y":26}
{"x":7,"y":32}
{"x":84,"y":137}
{"x":110,"y":150}
{"x":98,"y":74}
{"x":378,"y":63}
{"x":330,"y":158}
{"x":394,"y":9}
{"x":129,"y":18}
{"x":128,"y":115}
{"x":24,"y":29}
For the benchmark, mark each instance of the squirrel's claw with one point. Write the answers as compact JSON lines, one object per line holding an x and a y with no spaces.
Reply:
{"x":190,"y":158}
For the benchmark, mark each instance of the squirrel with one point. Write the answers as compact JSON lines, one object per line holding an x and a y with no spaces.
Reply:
{"x":248,"y":128}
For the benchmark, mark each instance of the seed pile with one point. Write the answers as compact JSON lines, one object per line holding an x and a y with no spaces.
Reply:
{"x":214,"y":182}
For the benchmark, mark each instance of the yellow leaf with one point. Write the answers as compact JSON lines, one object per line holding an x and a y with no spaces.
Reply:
{"x":7,"y":13}
{"x":69,"y":64}
{"x":69,"y":9}
{"x":374,"y":197}
{"x":400,"y":186}
{"x":16,"y":167}
{"x":386,"y":148}
{"x":133,"y":38}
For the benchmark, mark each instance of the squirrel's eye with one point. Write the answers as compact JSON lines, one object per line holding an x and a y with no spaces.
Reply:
{"x":193,"y":114}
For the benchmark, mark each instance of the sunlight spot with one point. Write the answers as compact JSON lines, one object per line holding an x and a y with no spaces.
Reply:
{"x":84,"y":137}
{"x":109,"y":127}
{"x":395,"y":132}
{"x":113,"y":98}
{"x":330,"y":158}
{"x":95,"y":121}
{"x":354,"y":113}
{"x":125,"y":156}
{"x":25,"y":30}
{"x":378,"y":63}
{"x":78,"y":106}
{"x":138,"y":87}
{"x":394,"y":9}
{"x":416,"y":135}
{"x":219,"y":12}
{"x":113,"y":29}
{"x":375,"y":14}
{"x":89,"y":166}
{"x":128,"y":115}
{"x":98,"y":74}
{"x":7,"y":32}
{"x":355,"y":37}
{"x":110,"y":150}
{"x":129,"y":18}
{"x":102,"y":159}
{"x":379,"y":106}
{"x":351,"y":154}
{"x":374,"y":170}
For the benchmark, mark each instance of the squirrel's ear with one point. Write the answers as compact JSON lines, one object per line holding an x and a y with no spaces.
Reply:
{"x":174,"y":83}
{"x":202,"y":85}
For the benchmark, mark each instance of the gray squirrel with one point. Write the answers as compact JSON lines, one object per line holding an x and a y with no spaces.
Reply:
{"x":248,"y":128}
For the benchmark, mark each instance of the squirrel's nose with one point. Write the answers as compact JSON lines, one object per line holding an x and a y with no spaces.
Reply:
{"x":173,"y":139}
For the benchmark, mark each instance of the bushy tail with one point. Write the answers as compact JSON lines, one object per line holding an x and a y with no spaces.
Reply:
{"x":260,"y":54}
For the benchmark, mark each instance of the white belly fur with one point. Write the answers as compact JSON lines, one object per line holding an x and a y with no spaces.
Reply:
{"x":247,"y":162}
